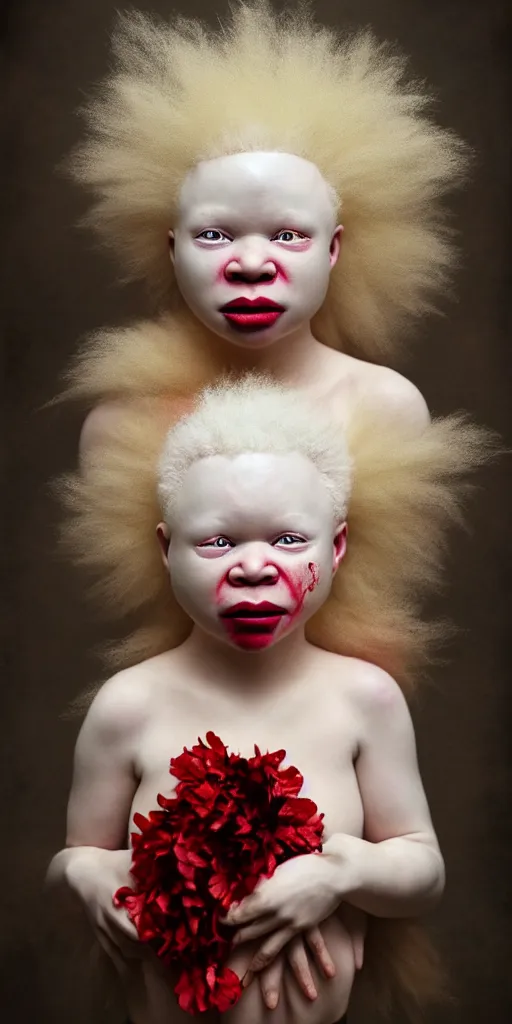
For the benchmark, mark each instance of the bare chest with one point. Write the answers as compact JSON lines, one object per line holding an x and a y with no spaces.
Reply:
{"x":319,"y":740}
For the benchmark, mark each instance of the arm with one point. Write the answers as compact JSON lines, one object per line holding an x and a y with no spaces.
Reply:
{"x":104,"y":780}
{"x":398,"y":867}
{"x":96,"y":860}
{"x":395,"y":870}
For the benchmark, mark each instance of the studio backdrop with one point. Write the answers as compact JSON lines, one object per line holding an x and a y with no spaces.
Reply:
{"x":56,"y":287}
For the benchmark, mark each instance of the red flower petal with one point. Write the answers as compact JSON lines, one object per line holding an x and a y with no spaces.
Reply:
{"x":230,"y":822}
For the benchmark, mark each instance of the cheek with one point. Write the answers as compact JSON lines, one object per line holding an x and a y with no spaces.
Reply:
{"x":310,"y":584}
{"x":193,"y":580}
{"x":312,"y":279}
{"x":220,"y":264}
{"x":302,"y":582}
{"x":194,"y":269}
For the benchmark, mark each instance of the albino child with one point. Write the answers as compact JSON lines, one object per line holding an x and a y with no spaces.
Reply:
{"x":254,"y":491}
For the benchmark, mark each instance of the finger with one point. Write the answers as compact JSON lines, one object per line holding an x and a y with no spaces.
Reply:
{"x":255,"y":931}
{"x":251,"y":908}
{"x":323,"y":959}
{"x":270,"y":982}
{"x":298,"y":960}
{"x":269,"y":950}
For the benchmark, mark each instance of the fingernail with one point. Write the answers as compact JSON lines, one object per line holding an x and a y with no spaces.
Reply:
{"x":312,"y":993}
{"x":271,"y":1000}
{"x":247,"y":978}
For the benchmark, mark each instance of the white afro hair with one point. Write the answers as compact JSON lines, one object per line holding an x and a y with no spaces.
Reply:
{"x":254,"y":414}
{"x":179,"y":93}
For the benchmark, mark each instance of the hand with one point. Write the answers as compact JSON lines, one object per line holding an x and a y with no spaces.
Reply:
{"x":301,"y":893}
{"x":295,"y":953}
{"x":94,"y":875}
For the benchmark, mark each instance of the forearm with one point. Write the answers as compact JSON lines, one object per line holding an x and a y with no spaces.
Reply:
{"x":60,"y":888}
{"x":399,"y":877}
{"x":60,"y":870}
{"x":57,"y":874}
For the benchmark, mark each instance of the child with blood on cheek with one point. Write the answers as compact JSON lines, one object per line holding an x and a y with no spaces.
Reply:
{"x":254,"y":625}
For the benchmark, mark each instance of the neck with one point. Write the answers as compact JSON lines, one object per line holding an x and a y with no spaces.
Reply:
{"x":232,"y":669}
{"x":292,"y":359}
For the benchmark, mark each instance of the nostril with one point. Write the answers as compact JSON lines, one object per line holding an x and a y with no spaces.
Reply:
{"x":241,"y":275}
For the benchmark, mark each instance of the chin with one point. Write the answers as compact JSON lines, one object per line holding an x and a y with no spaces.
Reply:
{"x":253,"y":645}
{"x":257,"y":340}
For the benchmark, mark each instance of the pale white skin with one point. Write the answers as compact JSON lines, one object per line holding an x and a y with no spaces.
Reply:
{"x":250,"y":199}
{"x":256,"y":225}
{"x":343,"y":722}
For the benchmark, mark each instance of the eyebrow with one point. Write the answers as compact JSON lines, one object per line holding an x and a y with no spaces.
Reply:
{"x":222,"y":523}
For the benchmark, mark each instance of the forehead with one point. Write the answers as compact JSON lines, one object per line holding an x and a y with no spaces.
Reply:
{"x":253,"y":486}
{"x":278,"y":180}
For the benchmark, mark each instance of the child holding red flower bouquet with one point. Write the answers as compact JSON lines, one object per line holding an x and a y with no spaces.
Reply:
{"x":329,"y":826}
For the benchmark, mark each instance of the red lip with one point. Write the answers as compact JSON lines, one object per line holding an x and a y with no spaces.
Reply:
{"x":252,"y":610}
{"x":242,"y":305}
{"x":252,"y":625}
{"x":249,"y":316}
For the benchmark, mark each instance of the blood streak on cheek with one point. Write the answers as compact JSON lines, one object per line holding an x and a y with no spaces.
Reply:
{"x":220,"y":585}
{"x":299,"y":584}
{"x":281,"y":272}
{"x":314,"y":577}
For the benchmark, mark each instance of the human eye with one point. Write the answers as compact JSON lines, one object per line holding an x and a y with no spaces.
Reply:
{"x":216,"y":543}
{"x":212,"y":236}
{"x":290,"y":237}
{"x":288,"y":540}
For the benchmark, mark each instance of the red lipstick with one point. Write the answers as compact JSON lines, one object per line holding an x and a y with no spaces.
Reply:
{"x":250,"y":612}
{"x":252,"y":314}
{"x":252,"y":625}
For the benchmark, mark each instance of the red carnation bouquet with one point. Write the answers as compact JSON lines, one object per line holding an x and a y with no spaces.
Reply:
{"x":230,"y":822}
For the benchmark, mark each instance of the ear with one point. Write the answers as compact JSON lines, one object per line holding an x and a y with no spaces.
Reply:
{"x":335,"y":246}
{"x":164,"y":538}
{"x":339,"y":546}
{"x":171,"y":245}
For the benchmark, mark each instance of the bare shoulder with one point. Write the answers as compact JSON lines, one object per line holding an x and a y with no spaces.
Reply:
{"x":100,"y":422}
{"x":123,"y":704}
{"x":109,"y":418}
{"x":372,"y":692}
{"x":380,"y":387}
{"x":398,"y":395}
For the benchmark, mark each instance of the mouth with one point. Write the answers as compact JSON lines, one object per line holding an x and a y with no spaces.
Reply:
{"x":255,"y":615}
{"x":252,"y":314}
{"x":253,"y":625}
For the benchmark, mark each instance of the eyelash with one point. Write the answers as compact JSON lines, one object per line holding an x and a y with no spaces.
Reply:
{"x":212,"y":543}
{"x":226,"y":238}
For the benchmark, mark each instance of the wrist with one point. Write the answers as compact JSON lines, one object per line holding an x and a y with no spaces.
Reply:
{"x":351,"y":859}
{"x":77,"y":862}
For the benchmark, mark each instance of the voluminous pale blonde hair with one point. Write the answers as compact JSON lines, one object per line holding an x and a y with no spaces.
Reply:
{"x":403,"y":485}
{"x":254,"y":414}
{"x":180,"y":93}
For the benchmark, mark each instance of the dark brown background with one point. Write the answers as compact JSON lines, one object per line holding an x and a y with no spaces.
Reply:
{"x":56,"y":288}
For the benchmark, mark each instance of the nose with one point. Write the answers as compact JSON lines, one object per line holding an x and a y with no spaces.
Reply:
{"x":253,"y":571}
{"x":251,"y":263}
